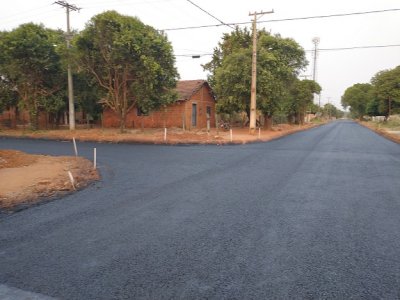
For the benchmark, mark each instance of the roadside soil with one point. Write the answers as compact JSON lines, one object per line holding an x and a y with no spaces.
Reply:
{"x":386,"y":132}
{"x":157,"y":136}
{"x":26,"y":179}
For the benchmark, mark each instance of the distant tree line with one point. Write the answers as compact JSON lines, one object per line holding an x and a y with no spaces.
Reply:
{"x":121,"y":63}
{"x":380,"y":97}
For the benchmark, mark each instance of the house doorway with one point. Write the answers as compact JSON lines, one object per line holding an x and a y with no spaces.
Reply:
{"x":194,"y":114}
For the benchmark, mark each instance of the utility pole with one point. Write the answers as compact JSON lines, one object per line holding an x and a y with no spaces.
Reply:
{"x":253,"y":103}
{"x":329,"y":108}
{"x":316,"y":41}
{"x":71,"y":106}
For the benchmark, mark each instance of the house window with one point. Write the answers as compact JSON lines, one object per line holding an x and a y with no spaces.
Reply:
{"x":140,"y":112}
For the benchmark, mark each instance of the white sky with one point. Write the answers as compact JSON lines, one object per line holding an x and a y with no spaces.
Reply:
{"x":336,"y":70}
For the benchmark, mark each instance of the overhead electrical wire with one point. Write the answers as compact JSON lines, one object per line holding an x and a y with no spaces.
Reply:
{"x":286,"y":19}
{"x":358,"y":47}
{"x":320,"y":49}
{"x":212,"y":16}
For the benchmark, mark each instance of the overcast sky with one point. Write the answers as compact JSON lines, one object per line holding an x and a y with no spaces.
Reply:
{"x":336,"y":69}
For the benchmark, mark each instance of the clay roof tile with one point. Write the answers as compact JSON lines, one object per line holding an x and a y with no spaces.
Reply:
{"x":186,"y":88}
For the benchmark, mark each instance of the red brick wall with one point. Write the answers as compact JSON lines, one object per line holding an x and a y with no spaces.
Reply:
{"x":172,"y":116}
{"x":202,"y":98}
{"x":10,"y":119}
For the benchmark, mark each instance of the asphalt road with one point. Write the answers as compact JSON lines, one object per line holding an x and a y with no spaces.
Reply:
{"x":314,"y":215}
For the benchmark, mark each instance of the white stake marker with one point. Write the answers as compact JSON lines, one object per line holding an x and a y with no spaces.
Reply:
{"x":231,"y":133}
{"x":165,"y":134}
{"x":94,"y":158}
{"x":71,"y":178}
{"x":259,"y":133}
{"x":75,"y":148}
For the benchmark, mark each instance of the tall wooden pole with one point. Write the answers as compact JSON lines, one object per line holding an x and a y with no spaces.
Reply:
{"x":71,"y":105}
{"x":253,"y":101}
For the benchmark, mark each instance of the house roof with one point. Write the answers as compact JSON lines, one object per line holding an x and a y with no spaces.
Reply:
{"x":187,"y":88}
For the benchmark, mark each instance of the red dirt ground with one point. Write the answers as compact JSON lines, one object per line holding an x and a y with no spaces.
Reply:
{"x":156,"y":136}
{"x":25,"y":179}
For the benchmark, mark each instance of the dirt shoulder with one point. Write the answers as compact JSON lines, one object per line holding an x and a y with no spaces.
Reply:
{"x":393,"y":135}
{"x":159,"y":136}
{"x":26,"y":179}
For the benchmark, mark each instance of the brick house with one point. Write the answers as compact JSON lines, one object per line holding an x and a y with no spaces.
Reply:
{"x":195,"y":105}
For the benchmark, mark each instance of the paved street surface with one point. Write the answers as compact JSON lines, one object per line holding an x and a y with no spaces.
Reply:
{"x":314,"y":215}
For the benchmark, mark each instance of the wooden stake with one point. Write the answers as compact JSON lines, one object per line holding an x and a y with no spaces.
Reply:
{"x":231,"y":133}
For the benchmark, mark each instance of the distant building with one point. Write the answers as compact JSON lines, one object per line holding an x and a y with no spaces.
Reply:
{"x":195,"y":105}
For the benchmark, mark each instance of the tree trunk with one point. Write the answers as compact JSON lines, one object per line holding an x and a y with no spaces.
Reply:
{"x":301,"y":118}
{"x":248,"y":114}
{"x":290,"y":119}
{"x":34,"y":118}
{"x":268,"y":122}
{"x":122,"y":120}
{"x":297,"y":119}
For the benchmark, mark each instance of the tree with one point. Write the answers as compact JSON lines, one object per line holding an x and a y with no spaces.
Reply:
{"x":279,"y":61}
{"x":8,"y":95}
{"x":330,"y":111}
{"x":301,"y":99}
{"x":30,"y":64}
{"x":232,"y":83}
{"x":373,"y":108}
{"x":387,"y":90}
{"x":230,"y":43}
{"x":132,"y":62}
{"x":357,"y":98}
{"x":87,"y":94}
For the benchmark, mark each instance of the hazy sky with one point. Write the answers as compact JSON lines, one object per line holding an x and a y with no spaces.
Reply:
{"x":336,"y":70}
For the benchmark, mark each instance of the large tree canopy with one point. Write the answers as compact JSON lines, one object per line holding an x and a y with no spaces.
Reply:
{"x":131,"y":61}
{"x":30,"y":65}
{"x":357,"y":98}
{"x":279,"y":61}
{"x":387,"y":90}
{"x":301,"y":98}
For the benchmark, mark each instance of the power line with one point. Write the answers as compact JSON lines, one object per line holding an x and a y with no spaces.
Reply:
{"x":358,"y":47}
{"x":312,"y":50}
{"x":212,"y":16}
{"x":23,"y":13}
{"x":286,"y":19}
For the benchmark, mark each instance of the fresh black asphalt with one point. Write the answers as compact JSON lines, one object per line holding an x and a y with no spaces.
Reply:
{"x":314,"y":215}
